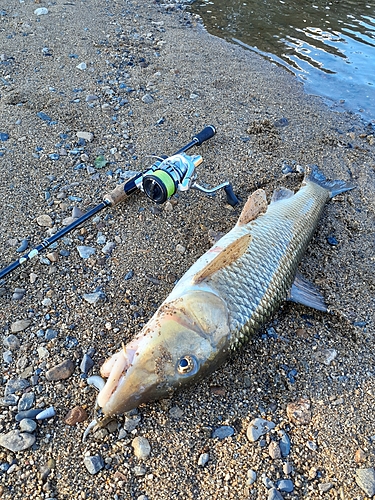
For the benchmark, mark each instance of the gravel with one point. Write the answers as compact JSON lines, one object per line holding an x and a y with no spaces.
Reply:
{"x":309,"y":376}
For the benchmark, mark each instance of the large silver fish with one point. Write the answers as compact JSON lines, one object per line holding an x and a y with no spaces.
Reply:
{"x":223,"y":298}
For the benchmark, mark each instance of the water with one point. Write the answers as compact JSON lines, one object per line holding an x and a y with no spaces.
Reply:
{"x":330,"y":46}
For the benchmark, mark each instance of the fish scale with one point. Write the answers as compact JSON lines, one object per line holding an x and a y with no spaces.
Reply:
{"x":255,"y":285}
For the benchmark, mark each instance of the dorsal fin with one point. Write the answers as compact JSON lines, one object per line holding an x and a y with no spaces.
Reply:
{"x":281,"y":194}
{"x":255,"y":205}
{"x":226,"y":256}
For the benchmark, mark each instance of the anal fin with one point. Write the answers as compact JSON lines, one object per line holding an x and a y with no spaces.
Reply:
{"x":224,"y":258}
{"x":255,"y":205}
{"x":304,"y":292}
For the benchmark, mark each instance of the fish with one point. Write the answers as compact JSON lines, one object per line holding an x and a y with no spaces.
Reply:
{"x":225,"y":297}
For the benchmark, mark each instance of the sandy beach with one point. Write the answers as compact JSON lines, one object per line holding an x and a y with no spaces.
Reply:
{"x":136,"y":79}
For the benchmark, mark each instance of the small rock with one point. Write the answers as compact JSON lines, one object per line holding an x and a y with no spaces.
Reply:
{"x":82,"y":66}
{"x":11,"y":342}
{"x":176,"y":412}
{"x":365,"y":478}
{"x":44,"y":221}
{"x":9,"y":400}
{"x":7,"y":357}
{"x":251,"y":477}
{"x":360,"y":456}
{"x":27,"y":425}
{"x":93,"y":298}
{"x":131,"y":423}
{"x":94,"y":463}
{"x":4,"y":136}
{"x":44,"y":472}
{"x":86,"y":364}
{"x":87,"y":136}
{"x":20,"y":325}
{"x":141,"y":446}
{"x":43,"y":352}
{"x":274,"y":450}
{"x":61,"y":371}
{"x":52,"y":256}
{"x":18,"y":293}
{"x":23,"y":246}
{"x":299,"y":412}
{"x":16,"y":385}
{"x":42,"y":11}
{"x":85,"y":252}
{"x":46,"y":302}
{"x":139,"y":471}
{"x":32,"y":413}
{"x":273,"y":494}
{"x":26,"y":401}
{"x":287,"y":468}
{"x":75,"y":415}
{"x":108,"y":247}
{"x":33,"y":278}
{"x":47,"y":413}
{"x":203,"y":459}
{"x":312,"y":445}
{"x":257,"y":428}
{"x":284,"y":444}
{"x":285,"y":485}
{"x":180,"y":249}
{"x":326,"y":356}
{"x":324,"y":487}
{"x":223,"y":432}
{"x":16,"y":440}
{"x":147,"y":99}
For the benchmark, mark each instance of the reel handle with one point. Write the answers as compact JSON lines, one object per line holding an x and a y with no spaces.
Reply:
{"x":231,"y":197}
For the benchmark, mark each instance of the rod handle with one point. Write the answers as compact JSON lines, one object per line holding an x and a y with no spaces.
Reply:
{"x":204,"y":135}
{"x":121,"y":192}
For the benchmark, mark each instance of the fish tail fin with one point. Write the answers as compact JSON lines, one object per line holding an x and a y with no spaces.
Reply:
{"x":313,"y":174}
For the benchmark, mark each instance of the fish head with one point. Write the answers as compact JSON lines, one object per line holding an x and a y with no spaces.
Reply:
{"x":186,"y":339}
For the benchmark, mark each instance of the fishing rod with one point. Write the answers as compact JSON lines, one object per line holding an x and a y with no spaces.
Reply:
{"x":162,"y":180}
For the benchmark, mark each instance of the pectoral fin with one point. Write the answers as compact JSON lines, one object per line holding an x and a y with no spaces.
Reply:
{"x":224,"y":258}
{"x":256,"y":205}
{"x":304,"y":292}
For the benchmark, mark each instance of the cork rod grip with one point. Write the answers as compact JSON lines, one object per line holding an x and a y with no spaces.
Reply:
{"x":117,"y":195}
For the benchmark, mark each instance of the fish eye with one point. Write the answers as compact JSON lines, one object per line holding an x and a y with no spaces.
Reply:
{"x":185,"y":365}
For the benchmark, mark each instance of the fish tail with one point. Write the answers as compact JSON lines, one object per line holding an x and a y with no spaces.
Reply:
{"x":313,"y":174}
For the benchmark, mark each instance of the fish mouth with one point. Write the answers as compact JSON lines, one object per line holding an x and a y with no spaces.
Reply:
{"x":115,"y":370}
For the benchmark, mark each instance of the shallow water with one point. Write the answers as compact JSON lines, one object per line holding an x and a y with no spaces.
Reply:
{"x":330,"y":46}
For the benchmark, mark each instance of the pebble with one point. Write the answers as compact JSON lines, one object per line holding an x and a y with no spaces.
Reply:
{"x":27,"y":425}
{"x":147,"y":99}
{"x":360,"y":456}
{"x":20,"y":325}
{"x":44,"y":220}
{"x":285,"y":485}
{"x":365,"y":478}
{"x":85,"y":252}
{"x":312,"y":445}
{"x":11,"y":342}
{"x":7,"y":357}
{"x":141,"y":446}
{"x":176,"y":412}
{"x":324,"y":487}
{"x":203,"y":459}
{"x":274,"y":450}
{"x":33,"y":278}
{"x":326,"y":356}
{"x":61,"y":371}
{"x":23,"y":246}
{"x":251,"y":477}
{"x":299,"y":412}
{"x":86,"y":364}
{"x":43,"y":352}
{"x":50,"y":334}
{"x":273,"y":494}
{"x":284,"y":444}
{"x":108,"y":247}
{"x":9,"y":400}
{"x":16,"y":440}
{"x":82,"y":66}
{"x":87,"y":136}
{"x":47,"y":413}
{"x":75,"y":415}
{"x":26,"y":401}
{"x":93,"y":298}
{"x":94,"y":463}
{"x":4,"y":136}
{"x":131,"y":423}
{"x":223,"y":432}
{"x":18,"y":293}
{"x":180,"y":249}
{"x":41,"y":11}
{"x":258,"y":427}
{"x":15,"y":385}
{"x":332,"y":241}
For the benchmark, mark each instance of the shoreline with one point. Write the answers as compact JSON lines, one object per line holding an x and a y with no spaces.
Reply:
{"x":153,"y":78}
